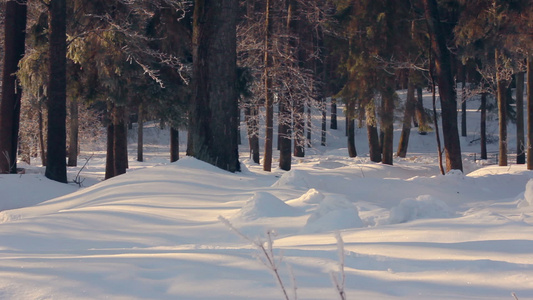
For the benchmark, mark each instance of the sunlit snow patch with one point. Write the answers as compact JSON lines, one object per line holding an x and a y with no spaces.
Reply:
{"x":527,"y":198}
{"x":333,"y":213}
{"x":423,"y":207}
{"x":294,"y":178}
{"x":265,"y":205}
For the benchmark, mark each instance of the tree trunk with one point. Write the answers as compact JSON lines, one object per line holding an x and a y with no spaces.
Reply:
{"x":520,"y":134}
{"x":443,"y":71}
{"x":73,"y":134}
{"x":463,"y":102}
{"x":333,"y":120}
{"x":174,"y":144}
{"x":350,"y":113}
{"x":269,"y":101}
{"x":110,"y":157}
{"x":56,"y":165}
{"x":407,"y":117}
{"x":374,"y":148}
{"x":42,"y":144}
{"x":530,"y":112}
{"x":421,"y":115}
{"x":119,"y":140}
{"x":387,"y":121}
{"x":483,"y":126}
{"x":14,"y":39}
{"x":251,"y":115}
{"x":502,"y":113}
{"x":285,"y":135}
{"x":140,"y":133}
{"x":214,"y":118}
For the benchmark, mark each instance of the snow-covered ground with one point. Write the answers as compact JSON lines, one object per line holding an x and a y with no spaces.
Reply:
{"x":156,"y":232}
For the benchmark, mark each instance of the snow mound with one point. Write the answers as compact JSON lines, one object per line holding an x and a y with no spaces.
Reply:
{"x":265,"y":205}
{"x":294,"y":178}
{"x":310,"y":197}
{"x":333,"y":213}
{"x":526,"y":199}
{"x":423,"y":207}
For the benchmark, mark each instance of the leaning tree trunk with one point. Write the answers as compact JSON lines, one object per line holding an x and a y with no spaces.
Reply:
{"x":407,"y":117}
{"x":73,"y":134}
{"x":520,"y":138}
{"x":56,"y":166}
{"x":530,"y":112}
{"x":214,"y":118}
{"x":502,"y":113}
{"x":14,"y":37}
{"x":448,"y":96}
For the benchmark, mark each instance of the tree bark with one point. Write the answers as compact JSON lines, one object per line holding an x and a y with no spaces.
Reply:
{"x":110,"y":157}
{"x":350,"y":117}
{"x":520,"y":133}
{"x":463,"y":102}
{"x":421,"y":115}
{"x":387,"y":121}
{"x":374,"y":149}
{"x":483,"y":126}
{"x":530,"y":112}
{"x":502,"y":113}
{"x":443,"y":71}
{"x":120,"y":140}
{"x":14,"y":39}
{"x":407,"y":117}
{"x":269,"y":102}
{"x":285,"y":135}
{"x":174,"y":144}
{"x":73,"y":134}
{"x":251,"y":115}
{"x":214,"y":118}
{"x":56,"y":166}
{"x":333,"y":117}
{"x":140,"y":132}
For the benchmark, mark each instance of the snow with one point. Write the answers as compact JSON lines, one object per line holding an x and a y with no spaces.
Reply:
{"x":154,"y":233}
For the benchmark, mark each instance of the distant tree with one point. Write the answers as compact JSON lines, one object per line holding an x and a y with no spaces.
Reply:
{"x":214,"y":118}
{"x":14,"y":46}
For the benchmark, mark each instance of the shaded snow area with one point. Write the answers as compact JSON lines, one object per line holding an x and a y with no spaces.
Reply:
{"x":156,"y":232}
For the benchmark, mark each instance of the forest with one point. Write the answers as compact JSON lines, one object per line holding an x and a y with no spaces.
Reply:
{"x":73,"y":70}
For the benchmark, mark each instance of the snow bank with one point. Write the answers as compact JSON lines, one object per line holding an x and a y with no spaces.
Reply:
{"x":312,"y":196}
{"x":526,"y":198}
{"x":265,"y":205}
{"x":294,"y":178}
{"x":333,"y":213}
{"x":423,"y":207}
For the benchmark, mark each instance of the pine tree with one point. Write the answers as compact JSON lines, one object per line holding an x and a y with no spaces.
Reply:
{"x":14,"y":39}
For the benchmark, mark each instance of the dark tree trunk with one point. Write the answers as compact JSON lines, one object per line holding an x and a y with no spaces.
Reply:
{"x":309,"y":127}
{"x":324,"y":122}
{"x":463,"y":102}
{"x":110,"y":157}
{"x":140,"y":133}
{"x":483,"y":126}
{"x":350,"y":116}
{"x":73,"y":134}
{"x":269,"y":101}
{"x":387,"y":121}
{"x":120,"y":140}
{"x":333,"y":120}
{"x":421,"y":115}
{"x":251,"y":115}
{"x":520,"y":134}
{"x":285,"y":135}
{"x":174,"y":144}
{"x":443,"y":71}
{"x":530,"y":112}
{"x":214,"y":118}
{"x":374,"y":148}
{"x":14,"y":38}
{"x":502,"y":114}
{"x":407,"y":117}
{"x":42,"y":144}
{"x":56,"y":165}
